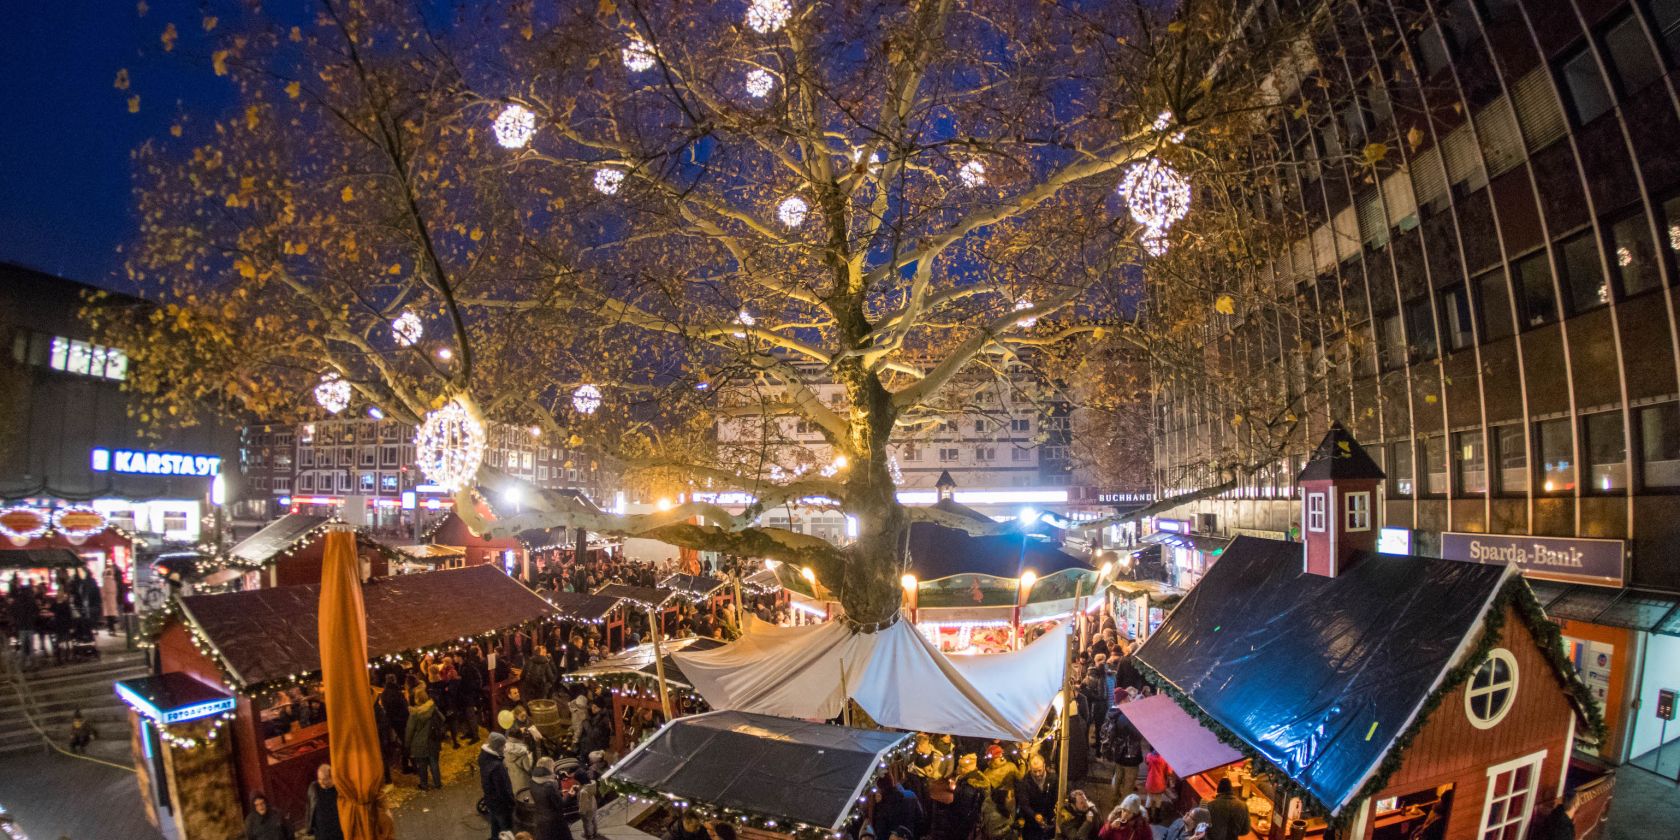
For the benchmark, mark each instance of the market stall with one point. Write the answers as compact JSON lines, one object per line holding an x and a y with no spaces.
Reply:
{"x":715,"y":594}
{"x":650,"y":601}
{"x":48,"y":545}
{"x":633,"y":678}
{"x":772,"y":774}
{"x":260,"y":647}
{"x":289,"y":551}
{"x":1139,"y":606}
{"x":425,"y":557}
{"x":506,"y":553}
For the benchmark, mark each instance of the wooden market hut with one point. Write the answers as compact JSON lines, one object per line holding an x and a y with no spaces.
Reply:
{"x":452,"y":530}
{"x":290,"y":549}
{"x":1374,"y":692}
{"x":715,"y":594}
{"x":106,"y":548}
{"x":259,"y":648}
{"x":641,"y":600}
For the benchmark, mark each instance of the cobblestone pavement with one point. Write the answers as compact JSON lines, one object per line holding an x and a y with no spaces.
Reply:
{"x":56,"y":797}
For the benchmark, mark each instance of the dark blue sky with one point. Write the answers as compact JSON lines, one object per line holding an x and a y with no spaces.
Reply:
{"x":66,"y":133}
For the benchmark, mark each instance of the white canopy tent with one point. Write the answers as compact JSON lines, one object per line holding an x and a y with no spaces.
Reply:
{"x":894,"y":674}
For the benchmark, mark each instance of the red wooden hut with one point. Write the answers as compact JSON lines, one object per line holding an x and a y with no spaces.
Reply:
{"x":289,"y":551}
{"x":507,"y":553}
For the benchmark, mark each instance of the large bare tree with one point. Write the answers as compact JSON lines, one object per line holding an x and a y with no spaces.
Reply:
{"x":719,"y":206}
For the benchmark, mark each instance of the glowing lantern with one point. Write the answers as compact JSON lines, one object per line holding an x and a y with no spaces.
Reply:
{"x":1155,"y":193}
{"x":449,"y":446}
{"x":792,"y":211}
{"x":514,"y":127}
{"x":407,"y":330}
{"x":972,"y":174}
{"x":760,"y":83}
{"x":586,"y":399}
{"x":608,"y":180}
{"x":333,"y":393}
{"x":767,"y":16}
{"x":638,"y":55}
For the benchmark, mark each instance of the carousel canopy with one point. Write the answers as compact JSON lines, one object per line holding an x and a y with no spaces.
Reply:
{"x":787,"y":772}
{"x":894,"y":674}
{"x":39,"y":558}
{"x":263,"y":635}
{"x":695,"y":586}
{"x":639,"y":661}
{"x":581,"y":606}
{"x":642,"y":596}
{"x":275,"y":537}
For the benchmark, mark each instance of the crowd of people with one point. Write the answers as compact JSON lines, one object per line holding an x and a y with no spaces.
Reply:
{"x":54,"y":621}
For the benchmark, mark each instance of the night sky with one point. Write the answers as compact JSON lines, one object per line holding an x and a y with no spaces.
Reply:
{"x":66,"y":132}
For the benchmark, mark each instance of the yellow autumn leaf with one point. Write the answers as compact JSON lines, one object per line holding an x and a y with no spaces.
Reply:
{"x":477,"y":234}
{"x":1414,"y":137}
{"x":1374,"y":153}
{"x":209,"y":22}
{"x":175,"y":130}
{"x":1236,"y":419}
{"x":121,"y":82}
{"x":251,"y":114}
{"x":295,"y":35}
{"x":1224,"y":305}
{"x":396,"y":268}
{"x":1430,"y":398}
{"x":293,"y":89}
{"x":1175,"y":27}
{"x":348,"y":195}
{"x":168,"y":37}
{"x":218,"y":62}
{"x":574,"y":441}
{"x":606,"y":7}
{"x":1099,"y":333}
{"x":134,"y":104}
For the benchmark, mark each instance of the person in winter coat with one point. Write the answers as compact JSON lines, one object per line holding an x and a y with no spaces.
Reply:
{"x":1227,"y":815}
{"x":1157,"y":777}
{"x":895,"y":805}
{"x":580,"y":713}
{"x":81,"y":732}
{"x":597,"y":731}
{"x":108,"y":604}
{"x":539,"y":676}
{"x":997,"y":815}
{"x":520,"y":762}
{"x":422,"y":735}
{"x":1080,"y":821}
{"x":588,"y":802}
{"x":1127,"y":822}
{"x":494,"y":784}
{"x":469,"y":695}
{"x":1035,"y":795}
{"x":688,"y":828}
{"x":320,"y":815}
{"x":549,"y":805}
{"x":1127,"y":755}
{"x":265,"y":823}
{"x":963,"y":814}
{"x":1189,"y":826}
{"x":395,"y":707}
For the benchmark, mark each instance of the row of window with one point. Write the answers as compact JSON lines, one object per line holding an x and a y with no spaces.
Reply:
{"x":1629,"y":61}
{"x":69,"y":355}
{"x":1465,"y":464}
{"x":368,"y":482}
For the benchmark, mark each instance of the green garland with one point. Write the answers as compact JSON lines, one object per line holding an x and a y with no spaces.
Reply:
{"x":1514,"y":593}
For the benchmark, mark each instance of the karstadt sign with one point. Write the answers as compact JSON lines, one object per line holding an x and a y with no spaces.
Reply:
{"x":1595,"y":562}
{"x":155,"y":463}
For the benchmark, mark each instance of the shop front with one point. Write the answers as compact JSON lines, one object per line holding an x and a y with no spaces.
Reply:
{"x":1624,"y":642}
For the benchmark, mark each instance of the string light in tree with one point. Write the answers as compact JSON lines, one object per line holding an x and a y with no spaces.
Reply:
{"x":449,"y":446}
{"x":767,"y":16}
{"x":1162,"y":120}
{"x":608,"y":180}
{"x":972,"y":174}
{"x":1155,"y":194}
{"x":586,"y":399}
{"x":514,"y":127}
{"x":894,"y":471}
{"x":407,"y":330}
{"x":760,"y":83}
{"x":333,"y":393}
{"x":1154,"y":241}
{"x":745,"y":319}
{"x":638,"y":55}
{"x":792,"y":211}
{"x":1021,"y":304}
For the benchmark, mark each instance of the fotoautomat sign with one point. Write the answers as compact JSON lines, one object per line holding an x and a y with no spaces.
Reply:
{"x":1595,"y":562}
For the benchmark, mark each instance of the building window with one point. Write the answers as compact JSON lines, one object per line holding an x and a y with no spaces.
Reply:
{"x":282,"y":484}
{"x":1492,"y":690}
{"x":368,"y":455}
{"x":912,"y":453}
{"x":979,"y":425}
{"x":1358,"y":511}
{"x":1420,"y":329}
{"x":984,"y":453}
{"x":1391,"y":342}
{"x":366,"y":482}
{"x":1583,"y":275}
{"x":1606,"y":452}
{"x":1557,"y":457}
{"x":1315,"y":512}
{"x":1400,"y":471}
{"x":1629,"y":52}
{"x":1534,"y":287}
{"x":1435,"y":465}
{"x":1493,"y":303}
{"x":1633,"y":259}
{"x":1469,"y":463}
{"x":388,"y":482}
{"x":1455,"y":317}
{"x":1659,"y":445}
{"x":949,"y":426}
{"x":542,"y":472}
{"x":306,"y":483}
{"x":80,"y":357}
{"x":948,"y":455}
{"x":1510,"y":797}
{"x":388,"y":456}
{"x":1511,"y":448}
{"x":1020,"y":424}
{"x":1584,"y":86}
{"x":306,"y":457}
{"x":1019,"y":454}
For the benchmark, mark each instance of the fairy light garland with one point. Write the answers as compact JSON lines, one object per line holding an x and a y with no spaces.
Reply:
{"x":188,"y":742}
{"x":19,"y":532}
{"x":1156,"y":196}
{"x":767,"y":16}
{"x":407,"y":330}
{"x":333,"y":392}
{"x":972,"y":174}
{"x":608,"y":180}
{"x":638,"y":55}
{"x":792,"y":211}
{"x":760,"y":83}
{"x":586,"y":399}
{"x":514,"y":126}
{"x":77,"y":533}
{"x":449,"y":446}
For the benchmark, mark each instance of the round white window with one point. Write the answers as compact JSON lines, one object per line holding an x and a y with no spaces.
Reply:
{"x":1492,"y":690}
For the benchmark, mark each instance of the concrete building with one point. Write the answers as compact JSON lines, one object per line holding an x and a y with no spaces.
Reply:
{"x":1504,"y":286}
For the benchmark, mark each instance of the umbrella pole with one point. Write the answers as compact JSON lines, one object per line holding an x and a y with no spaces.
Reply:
{"x":659,"y":664}
{"x":1067,"y":709}
{"x":740,"y":609}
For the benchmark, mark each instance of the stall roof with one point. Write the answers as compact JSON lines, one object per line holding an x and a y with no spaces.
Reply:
{"x":39,"y":558}
{"x":774,"y":768}
{"x":275,"y":537}
{"x":1319,"y":675}
{"x":1200,"y":542}
{"x":639,"y":660}
{"x":763,"y":580}
{"x":173,"y":697}
{"x":1638,"y":609}
{"x":644,"y":596}
{"x":429,"y":552}
{"x":1158,"y":591}
{"x":937,"y":551}
{"x":698,"y":586}
{"x":581,"y":606}
{"x":270,"y":634}
{"x":1188,"y":747}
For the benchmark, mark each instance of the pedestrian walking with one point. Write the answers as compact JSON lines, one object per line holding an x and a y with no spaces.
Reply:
{"x":493,"y":782}
{"x":265,"y":823}
{"x":549,"y":806}
{"x":320,"y":814}
{"x":423,"y":737}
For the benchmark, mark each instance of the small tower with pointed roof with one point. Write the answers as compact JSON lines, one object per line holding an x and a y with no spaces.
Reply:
{"x":1338,"y":504}
{"x":946,"y":487}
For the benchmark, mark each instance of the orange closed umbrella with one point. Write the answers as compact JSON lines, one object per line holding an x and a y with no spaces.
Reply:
{"x":353,"y":738}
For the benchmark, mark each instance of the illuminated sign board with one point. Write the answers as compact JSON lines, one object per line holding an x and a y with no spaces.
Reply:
{"x":139,"y":462}
{"x":1588,"y":561}
{"x":1394,"y":541}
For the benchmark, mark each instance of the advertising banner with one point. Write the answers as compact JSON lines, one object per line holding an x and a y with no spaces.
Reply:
{"x":1566,"y":559}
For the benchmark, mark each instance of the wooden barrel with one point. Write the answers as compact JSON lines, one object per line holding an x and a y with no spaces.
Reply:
{"x":551,"y":718}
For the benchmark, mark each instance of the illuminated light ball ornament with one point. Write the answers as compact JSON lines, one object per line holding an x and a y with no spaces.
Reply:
{"x":1154,"y":241}
{"x":407,"y":330}
{"x":972,"y":174}
{"x":1021,"y":304}
{"x":1155,"y":194}
{"x":745,"y":319}
{"x":78,"y":522}
{"x":638,"y":55}
{"x":792,"y":211}
{"x":586,"y":399}
{"x":22,"y":523}
{"x":760,"y":83}
{"x":1162,"y":120}
{"x":514,"y":127}
{"x":333,"y":393}
{"x":449,"y":446}
{"x":608,"y":180}
{"x":767,"y":16}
